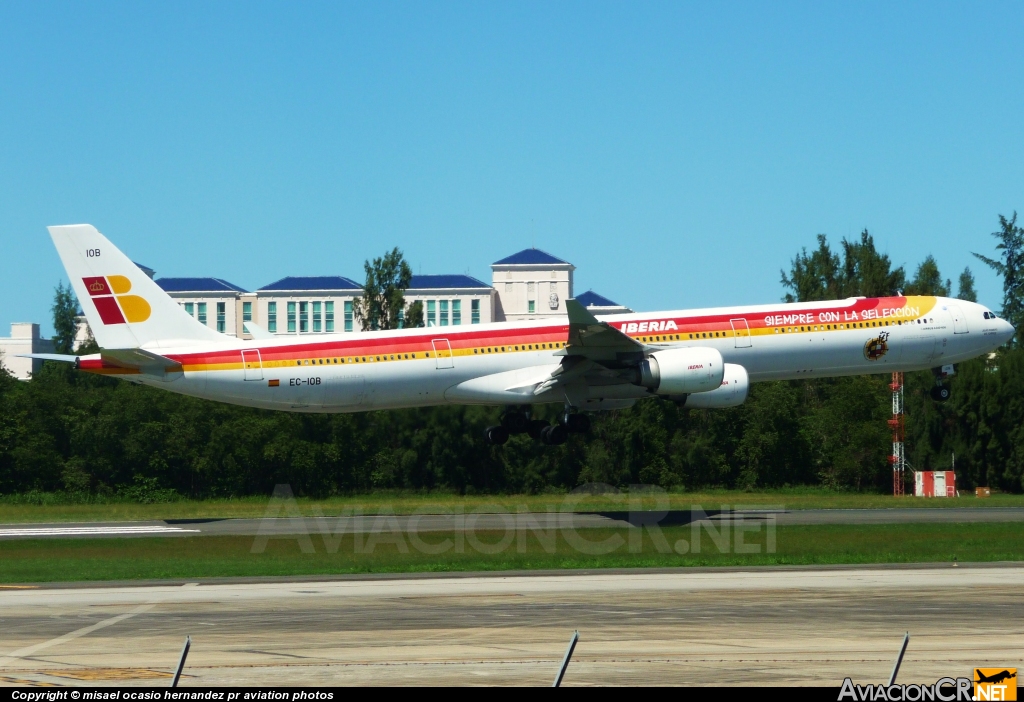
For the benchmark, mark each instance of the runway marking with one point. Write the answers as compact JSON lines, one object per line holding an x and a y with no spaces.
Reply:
{"x":106,"y":673}
{"x":77,"y":633}
{"x":93,"y":531}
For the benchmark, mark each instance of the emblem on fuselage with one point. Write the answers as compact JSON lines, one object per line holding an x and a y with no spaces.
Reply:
{"x":875,"y":348}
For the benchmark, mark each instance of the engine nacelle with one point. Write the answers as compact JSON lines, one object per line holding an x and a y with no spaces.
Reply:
{"x":731,"y":393}
{"x":682,"y":371}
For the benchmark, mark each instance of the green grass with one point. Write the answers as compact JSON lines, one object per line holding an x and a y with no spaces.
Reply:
{"x":57,"y":508}
{"x":51,"y":560}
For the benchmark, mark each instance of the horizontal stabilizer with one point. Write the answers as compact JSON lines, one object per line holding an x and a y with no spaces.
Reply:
{"x":144,"y":361}
{"x":62,"y":357}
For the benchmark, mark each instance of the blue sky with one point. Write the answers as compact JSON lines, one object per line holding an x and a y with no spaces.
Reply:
{"x":678,"y":154}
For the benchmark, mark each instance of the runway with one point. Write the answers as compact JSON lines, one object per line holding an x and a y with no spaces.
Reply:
{"x":425,"y":523}
{"x":710,"y":626}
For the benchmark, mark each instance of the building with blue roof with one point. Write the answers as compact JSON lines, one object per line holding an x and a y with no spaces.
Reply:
{"x":599,"y":304}
{"x":531,"y":284}
{"x":530,"y":257}
{"x":214,"y":302}
{"x":306,"y":283}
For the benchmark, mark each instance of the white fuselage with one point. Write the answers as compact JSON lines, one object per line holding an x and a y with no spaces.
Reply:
{"x":476,"y":364}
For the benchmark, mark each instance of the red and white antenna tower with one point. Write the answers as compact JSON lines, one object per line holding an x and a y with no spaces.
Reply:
{"x":898,"y":457}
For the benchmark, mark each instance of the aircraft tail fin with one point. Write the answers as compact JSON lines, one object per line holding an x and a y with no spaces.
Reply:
{"x":125,"y":308}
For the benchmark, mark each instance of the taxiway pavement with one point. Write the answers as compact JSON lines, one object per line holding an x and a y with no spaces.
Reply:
{"x":499,"y":521}
{"x":711,"y":626}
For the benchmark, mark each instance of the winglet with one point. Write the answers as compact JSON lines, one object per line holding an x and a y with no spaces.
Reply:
{"x":578,"y":314}
{"x":599,"y":341}
{"x":257,"y":332}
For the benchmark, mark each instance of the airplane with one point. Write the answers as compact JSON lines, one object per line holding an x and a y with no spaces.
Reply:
{"x":995,"y":678}
{"x":702,"y":358}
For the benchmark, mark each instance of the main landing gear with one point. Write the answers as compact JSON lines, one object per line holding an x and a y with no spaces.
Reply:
{"x":518,"y":421}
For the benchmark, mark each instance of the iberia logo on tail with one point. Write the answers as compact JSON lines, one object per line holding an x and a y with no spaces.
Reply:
{"x":113,"y":305}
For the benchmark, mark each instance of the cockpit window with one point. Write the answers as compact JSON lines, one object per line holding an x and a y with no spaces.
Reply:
{"x":990,"y":315}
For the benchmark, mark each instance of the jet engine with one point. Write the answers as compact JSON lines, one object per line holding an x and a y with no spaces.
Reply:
{"x":682,"y":371}
{"x":731,"y":393}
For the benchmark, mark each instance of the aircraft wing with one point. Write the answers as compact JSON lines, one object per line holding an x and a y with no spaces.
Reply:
{"x":596,"y":352}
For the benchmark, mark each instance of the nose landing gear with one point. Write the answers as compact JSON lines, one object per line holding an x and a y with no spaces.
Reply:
{"x":940,"y":393}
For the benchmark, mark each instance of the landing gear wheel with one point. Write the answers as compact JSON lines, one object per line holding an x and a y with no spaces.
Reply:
{"x":515,"y":422}
{"x":941,"y":393}
{"x":577,"y":423}
{"x":535,"y":427}
{"x":554,"y":435}
{"x":496,"y":435}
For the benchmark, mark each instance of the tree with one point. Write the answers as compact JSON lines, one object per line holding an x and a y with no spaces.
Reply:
{"x":814,"y":276}
{"x":414,"y":315}
{"x":867,"y":272}
{"x":821,"y":275}
{"x":928,"y":280}
{"x":65,"y":311}
{"x":1011,"y":267}
{"x":966,"y":286}
{"x":384,"y":292}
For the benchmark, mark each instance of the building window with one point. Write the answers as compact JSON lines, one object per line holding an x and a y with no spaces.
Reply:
{"x":401,"y":318}
{"x":456,"y":312}
{"x":246,"y":311}
{"x":531,"y":307}
{"x":317,"y":327}
{"x":202,"y":313}
{"x":272,"y":317}
{"x":303,"y":317}
{"x":329,"y":316}
{"x":221,"y":317}
{"x":431,"y":313}
{"x":474,"y":312}
{"x":444,"y":313}
{"x":348,"y":315}
{"x":291,"y":317}
{"x":190,"y":309}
